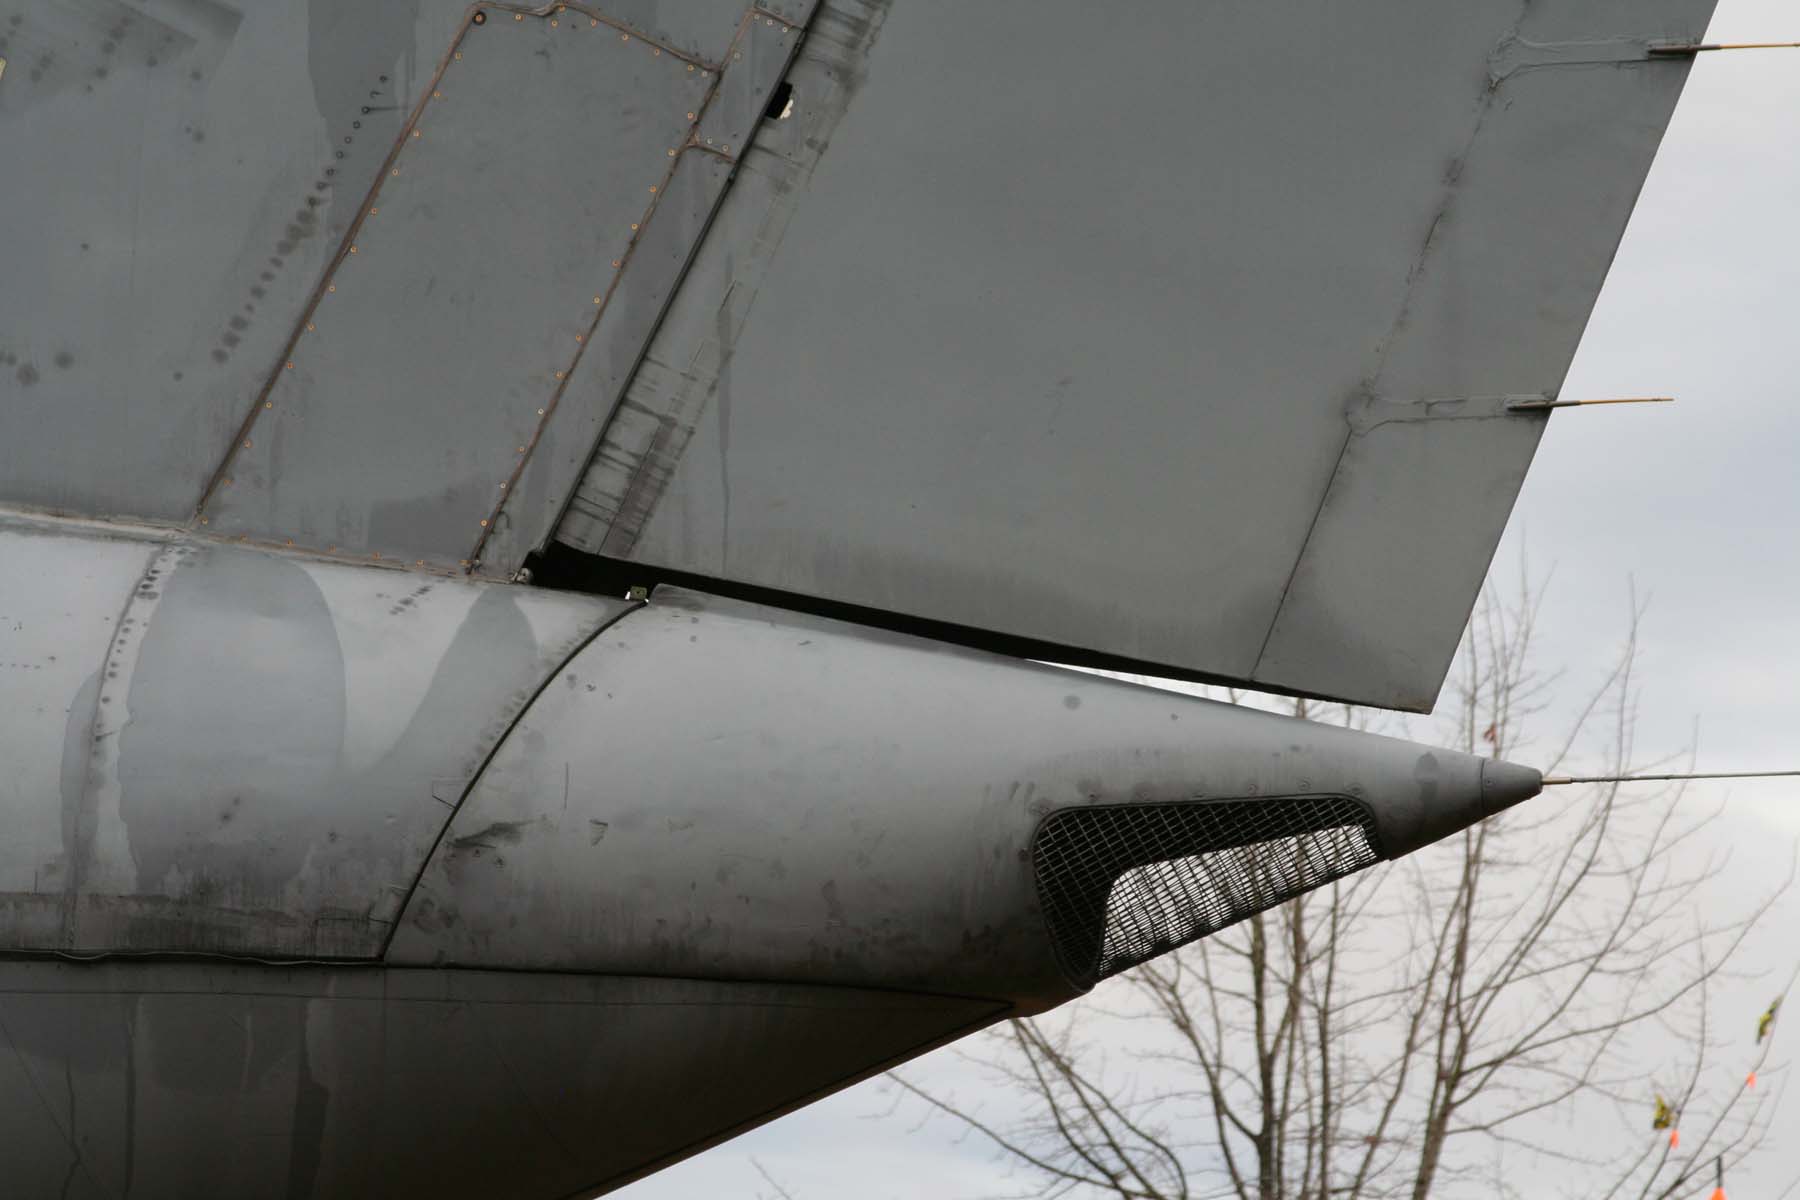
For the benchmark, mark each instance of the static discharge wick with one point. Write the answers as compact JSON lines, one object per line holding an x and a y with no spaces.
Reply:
{"x":1555,"y":780}
{"x":1532,"y":403}
{"x":1697,"y":49}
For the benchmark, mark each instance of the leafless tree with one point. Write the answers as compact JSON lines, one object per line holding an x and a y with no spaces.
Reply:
{"x":1503,"y":1007}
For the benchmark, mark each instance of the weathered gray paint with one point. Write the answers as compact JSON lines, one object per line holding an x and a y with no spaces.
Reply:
{"x":193,"y":165}
{"x":169,"y":1081}
{"x":232,"y":750}
{"x":448,"y":326}
{"x":689,"y":360}
{"x":655,"y":265}
{"x":684,"y":205}
{"x":1066,"y":330}
{"x":720,"y":790}
{"x":1340,"y":624}
{"x":226,"y":166}
{"x":255,"y":755}
{"x":911,"y":359}
{"x":1174,"y":332}
{"x":62,"y":595}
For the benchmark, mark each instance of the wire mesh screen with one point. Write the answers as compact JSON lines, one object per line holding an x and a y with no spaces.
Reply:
{"x":1121,"y":884}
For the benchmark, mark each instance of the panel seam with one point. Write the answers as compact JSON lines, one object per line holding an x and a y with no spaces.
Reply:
{"x":1490,"y":88}
{"x":437,"y":842}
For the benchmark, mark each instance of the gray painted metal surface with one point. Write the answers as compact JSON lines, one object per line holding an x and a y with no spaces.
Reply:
{"x":648,"y":432}
{"x":194,"y":165}
{"x":1086,"y":363}
{"x":424,"y":369}
{"x":682,"y":206}
{"x":1176,"y":333}
{"x":178,"y":1080}
{"x":213,"y":748}
{"x":331,"y":268}
{"x":503,"y":279}
{"x":936,"y":371}
{"x":721,"y":790}
{"x":695,"y":846}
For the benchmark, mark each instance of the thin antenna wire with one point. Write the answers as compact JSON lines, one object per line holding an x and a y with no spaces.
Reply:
{"x":1555,"y":780}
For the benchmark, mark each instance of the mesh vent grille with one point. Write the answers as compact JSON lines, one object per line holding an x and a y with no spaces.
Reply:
{"x":1121,"y":884}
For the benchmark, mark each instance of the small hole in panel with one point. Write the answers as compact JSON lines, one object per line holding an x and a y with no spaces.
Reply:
{"x":781,"y":104}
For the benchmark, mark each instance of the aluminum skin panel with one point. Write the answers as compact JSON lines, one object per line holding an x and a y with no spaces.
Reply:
{"x":655,"y":265}
{"x":649,"y":429}
{"x":54,"y":637}
{"x":1414,"y":472}
{"x":225,"y":750}
{"x":423,"y":372}
{"x":528,"y":509}
{"x":192,"y":177}
{"x":1081,"y":364}
{"x":179,"y":175}
{"x":168,"y":1081}
{"x":720,"y":790}
{"x":1496,"y":303}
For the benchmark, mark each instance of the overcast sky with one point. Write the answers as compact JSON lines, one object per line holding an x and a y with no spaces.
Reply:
{"x":1697,"y":501}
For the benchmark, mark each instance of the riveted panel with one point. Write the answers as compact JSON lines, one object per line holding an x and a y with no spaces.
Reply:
{"x":1073,"y":364}
{"x":686,"y":362}
{"x":664,"y":242}
{"x":55,"y":632}
{"x":224,"y":749}
{"x":759,"y":58}
{"x":700,"y":29}
{"x":419,"y":379}
{"x":528,"y":507}
{"x":178,"y":175}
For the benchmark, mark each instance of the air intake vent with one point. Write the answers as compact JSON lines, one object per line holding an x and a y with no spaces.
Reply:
{"x":1121,"y":884}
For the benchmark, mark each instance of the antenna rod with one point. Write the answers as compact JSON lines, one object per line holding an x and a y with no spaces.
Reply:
{"x":1555,"y":780}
